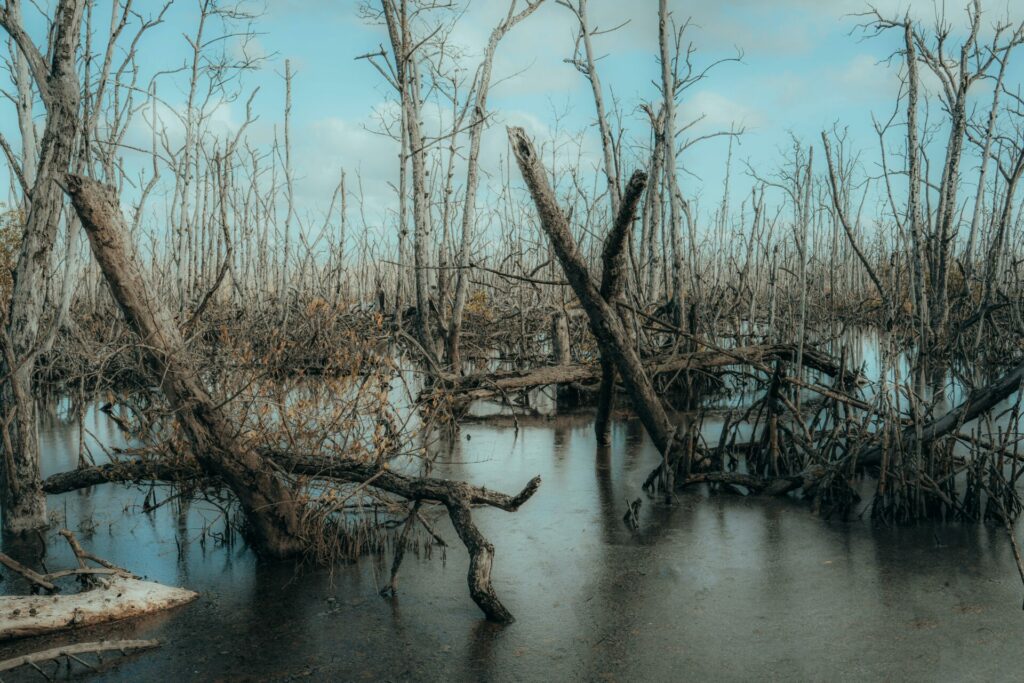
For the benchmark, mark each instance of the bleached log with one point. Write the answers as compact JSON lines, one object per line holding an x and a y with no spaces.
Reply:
{"x":115,"y":599}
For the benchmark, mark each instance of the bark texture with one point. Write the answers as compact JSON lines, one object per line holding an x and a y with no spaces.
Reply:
{"x":21,"y":499}
{"x":269,"y":504}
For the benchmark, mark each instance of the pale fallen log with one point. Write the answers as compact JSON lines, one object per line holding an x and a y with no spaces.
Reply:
{"x":75,"y":649}
{"x":114,"y":599}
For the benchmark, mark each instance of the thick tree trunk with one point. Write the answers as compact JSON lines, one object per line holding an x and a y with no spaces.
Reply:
{"x":21,"y":498}
{"x":271,"y":508}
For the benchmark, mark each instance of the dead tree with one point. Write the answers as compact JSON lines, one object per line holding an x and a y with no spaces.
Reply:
{"x":586,"y":64}
{"x":613,"y":286}
{"x":957,"y":71}
{"x":975,"y":405}
{"x":273,"y":512}
{"x":56,"y":78}
{"x":457,"y":497}
{"x":605,"y":323}
{"x":669,"y":90}
{"x":478,"y":122}
{"x":272,"y":508}
{"x":407,"y":78}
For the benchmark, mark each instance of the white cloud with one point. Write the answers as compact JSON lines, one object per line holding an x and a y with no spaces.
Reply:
{"x":719,"y":112}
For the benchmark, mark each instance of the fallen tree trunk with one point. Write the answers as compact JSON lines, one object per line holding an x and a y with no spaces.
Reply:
{"x":484,"y":386}
{"x":119,"y":597}
{"x":404,"y":485}
{"x":272,"y":510}
{"x":122,"y":471}
{"x":456,"y":496}
{"x":977,"y":404}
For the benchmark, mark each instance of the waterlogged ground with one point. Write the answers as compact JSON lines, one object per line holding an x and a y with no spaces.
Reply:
{"x":718,"y":588}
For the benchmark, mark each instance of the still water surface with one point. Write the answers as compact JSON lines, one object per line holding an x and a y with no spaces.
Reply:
{"x":719,"y":588}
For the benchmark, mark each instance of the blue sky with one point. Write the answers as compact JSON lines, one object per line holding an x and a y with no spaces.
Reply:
{"x":805,"y":67}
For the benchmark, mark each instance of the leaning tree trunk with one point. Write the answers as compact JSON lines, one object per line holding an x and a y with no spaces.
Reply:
{"x":605,"y":324}
{"x":613,"y":286}
{"x":21,"y":496}
{"x":270,"y":506}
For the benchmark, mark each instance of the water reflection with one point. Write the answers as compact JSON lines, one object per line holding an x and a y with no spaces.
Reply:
{"x":715,"y":587}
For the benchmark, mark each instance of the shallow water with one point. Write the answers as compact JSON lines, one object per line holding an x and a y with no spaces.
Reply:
{"x":722,"y":588}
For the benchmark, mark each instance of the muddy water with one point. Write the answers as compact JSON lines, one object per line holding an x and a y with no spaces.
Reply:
{"x":717,"y":588}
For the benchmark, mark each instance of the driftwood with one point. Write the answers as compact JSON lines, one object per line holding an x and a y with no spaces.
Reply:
{"x":118,"y":597}
{"x":73,"y":651}
{"x":31,"y":576}
{"x":484,"y":386}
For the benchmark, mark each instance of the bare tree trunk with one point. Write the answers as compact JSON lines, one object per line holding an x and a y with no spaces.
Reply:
{"x":613,"y":285}
{"x":604,"y":320}
{"x":986,"y":153}
{"x":270,"y":507}
{"x":409,"y":91}
{"x":21,"y":498}
{"x":668,"y":89}
{"x":998,"y":241}
{"x":921,"y":278}
{"x":476,"y":130}
{"x":561,"y":346}
{"x":289,"y":184}
{"x":26,"y":126}
{"x":946,"y":232}
{"x":652,"y":212}
{"x":589,"y":69}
